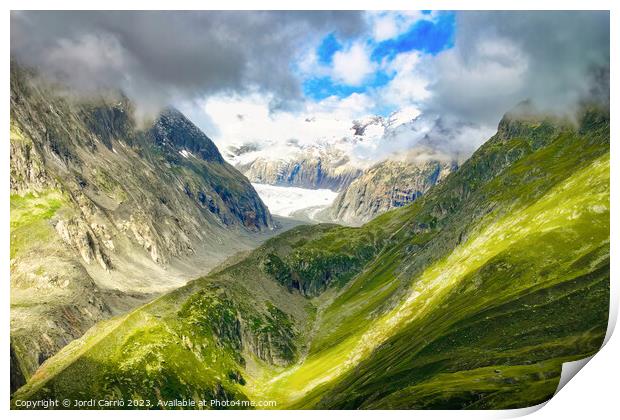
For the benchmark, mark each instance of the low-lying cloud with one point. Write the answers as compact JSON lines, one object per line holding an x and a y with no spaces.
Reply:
{"x":502,"y":58}
{"x":157,"y":57}
{"x":239,"y":75}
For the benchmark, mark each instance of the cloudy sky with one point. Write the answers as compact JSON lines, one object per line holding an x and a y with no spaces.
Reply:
{"x":273,"y":77}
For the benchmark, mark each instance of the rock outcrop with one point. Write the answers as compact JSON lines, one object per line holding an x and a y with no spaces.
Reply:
{"x":328,"y":169}
{"x":327,"y":163}
{"x":384,"y":186}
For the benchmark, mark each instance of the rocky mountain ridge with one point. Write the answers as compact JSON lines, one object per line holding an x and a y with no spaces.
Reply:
{"x":387,"y":185}
{"x":105,"y":214}
{"x":325,"y":164}
{"x":366,"y":189}
{"x":309,"y":169}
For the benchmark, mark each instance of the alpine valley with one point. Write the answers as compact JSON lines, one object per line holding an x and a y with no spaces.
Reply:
{"x":366,"y":188}
{"x":467,"y":286}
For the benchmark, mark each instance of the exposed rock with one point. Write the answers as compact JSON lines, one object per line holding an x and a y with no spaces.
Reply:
{"x":111,"y":212}
{"x":77,"y":234}
{"x":53,"y":301}
{"x":387,"y":185}
{"x":312,"y":169}
{"x":173,"y":129}
{"x":326,"y":163}
{"x":27,"y":168}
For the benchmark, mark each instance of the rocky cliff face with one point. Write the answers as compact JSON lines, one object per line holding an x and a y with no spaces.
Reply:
{"x":104,"y":213}
{"x":312,"y":169}
{"x":386,"y":185}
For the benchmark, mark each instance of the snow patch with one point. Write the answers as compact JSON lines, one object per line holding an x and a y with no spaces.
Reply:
{"x":186,"y":153}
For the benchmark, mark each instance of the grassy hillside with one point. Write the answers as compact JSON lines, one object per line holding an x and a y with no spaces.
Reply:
{"x":472,"y":297}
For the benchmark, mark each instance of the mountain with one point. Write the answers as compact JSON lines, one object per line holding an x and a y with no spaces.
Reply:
{"x":384,"y":186}
{"x":312,"y":168}
{"x":106,"y":214}
{"x":324,"y":164}
{"x":470,"y":297}
{"x":385,"y":162}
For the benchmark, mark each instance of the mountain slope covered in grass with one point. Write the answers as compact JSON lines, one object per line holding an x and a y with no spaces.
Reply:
{"x":471,"y":297}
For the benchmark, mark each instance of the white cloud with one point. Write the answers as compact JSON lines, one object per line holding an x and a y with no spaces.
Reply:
{"x":308,"y":64}
{"x":502,"y":58}
{"x":389,"y":24}
{"x":199,"y":53}
{"x":385,"y":27}
{"x":247,"y":119}
{"x":409,"y":85}
{"x":329,"y":124}
{"x":462,"y":92}
{"x":487,"y":78}
{"x":352,"y":66}
{"x":418,"y":136}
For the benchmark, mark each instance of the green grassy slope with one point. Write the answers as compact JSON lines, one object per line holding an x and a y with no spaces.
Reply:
{"x":470,"y":298}
{"x":191,"y":343}
{"x":529,"y":291}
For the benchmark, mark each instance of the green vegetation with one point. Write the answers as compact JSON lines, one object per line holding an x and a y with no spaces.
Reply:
{"x":330,"y":260}
{"x":504,"y":304}
{"x":472,"y":297}
{"x":30,"y":215}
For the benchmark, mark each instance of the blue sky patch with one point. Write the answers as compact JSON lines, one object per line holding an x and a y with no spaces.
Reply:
{"x":426,"y":36}
{"x":328,"y":48}
{"x":319,"y":88}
